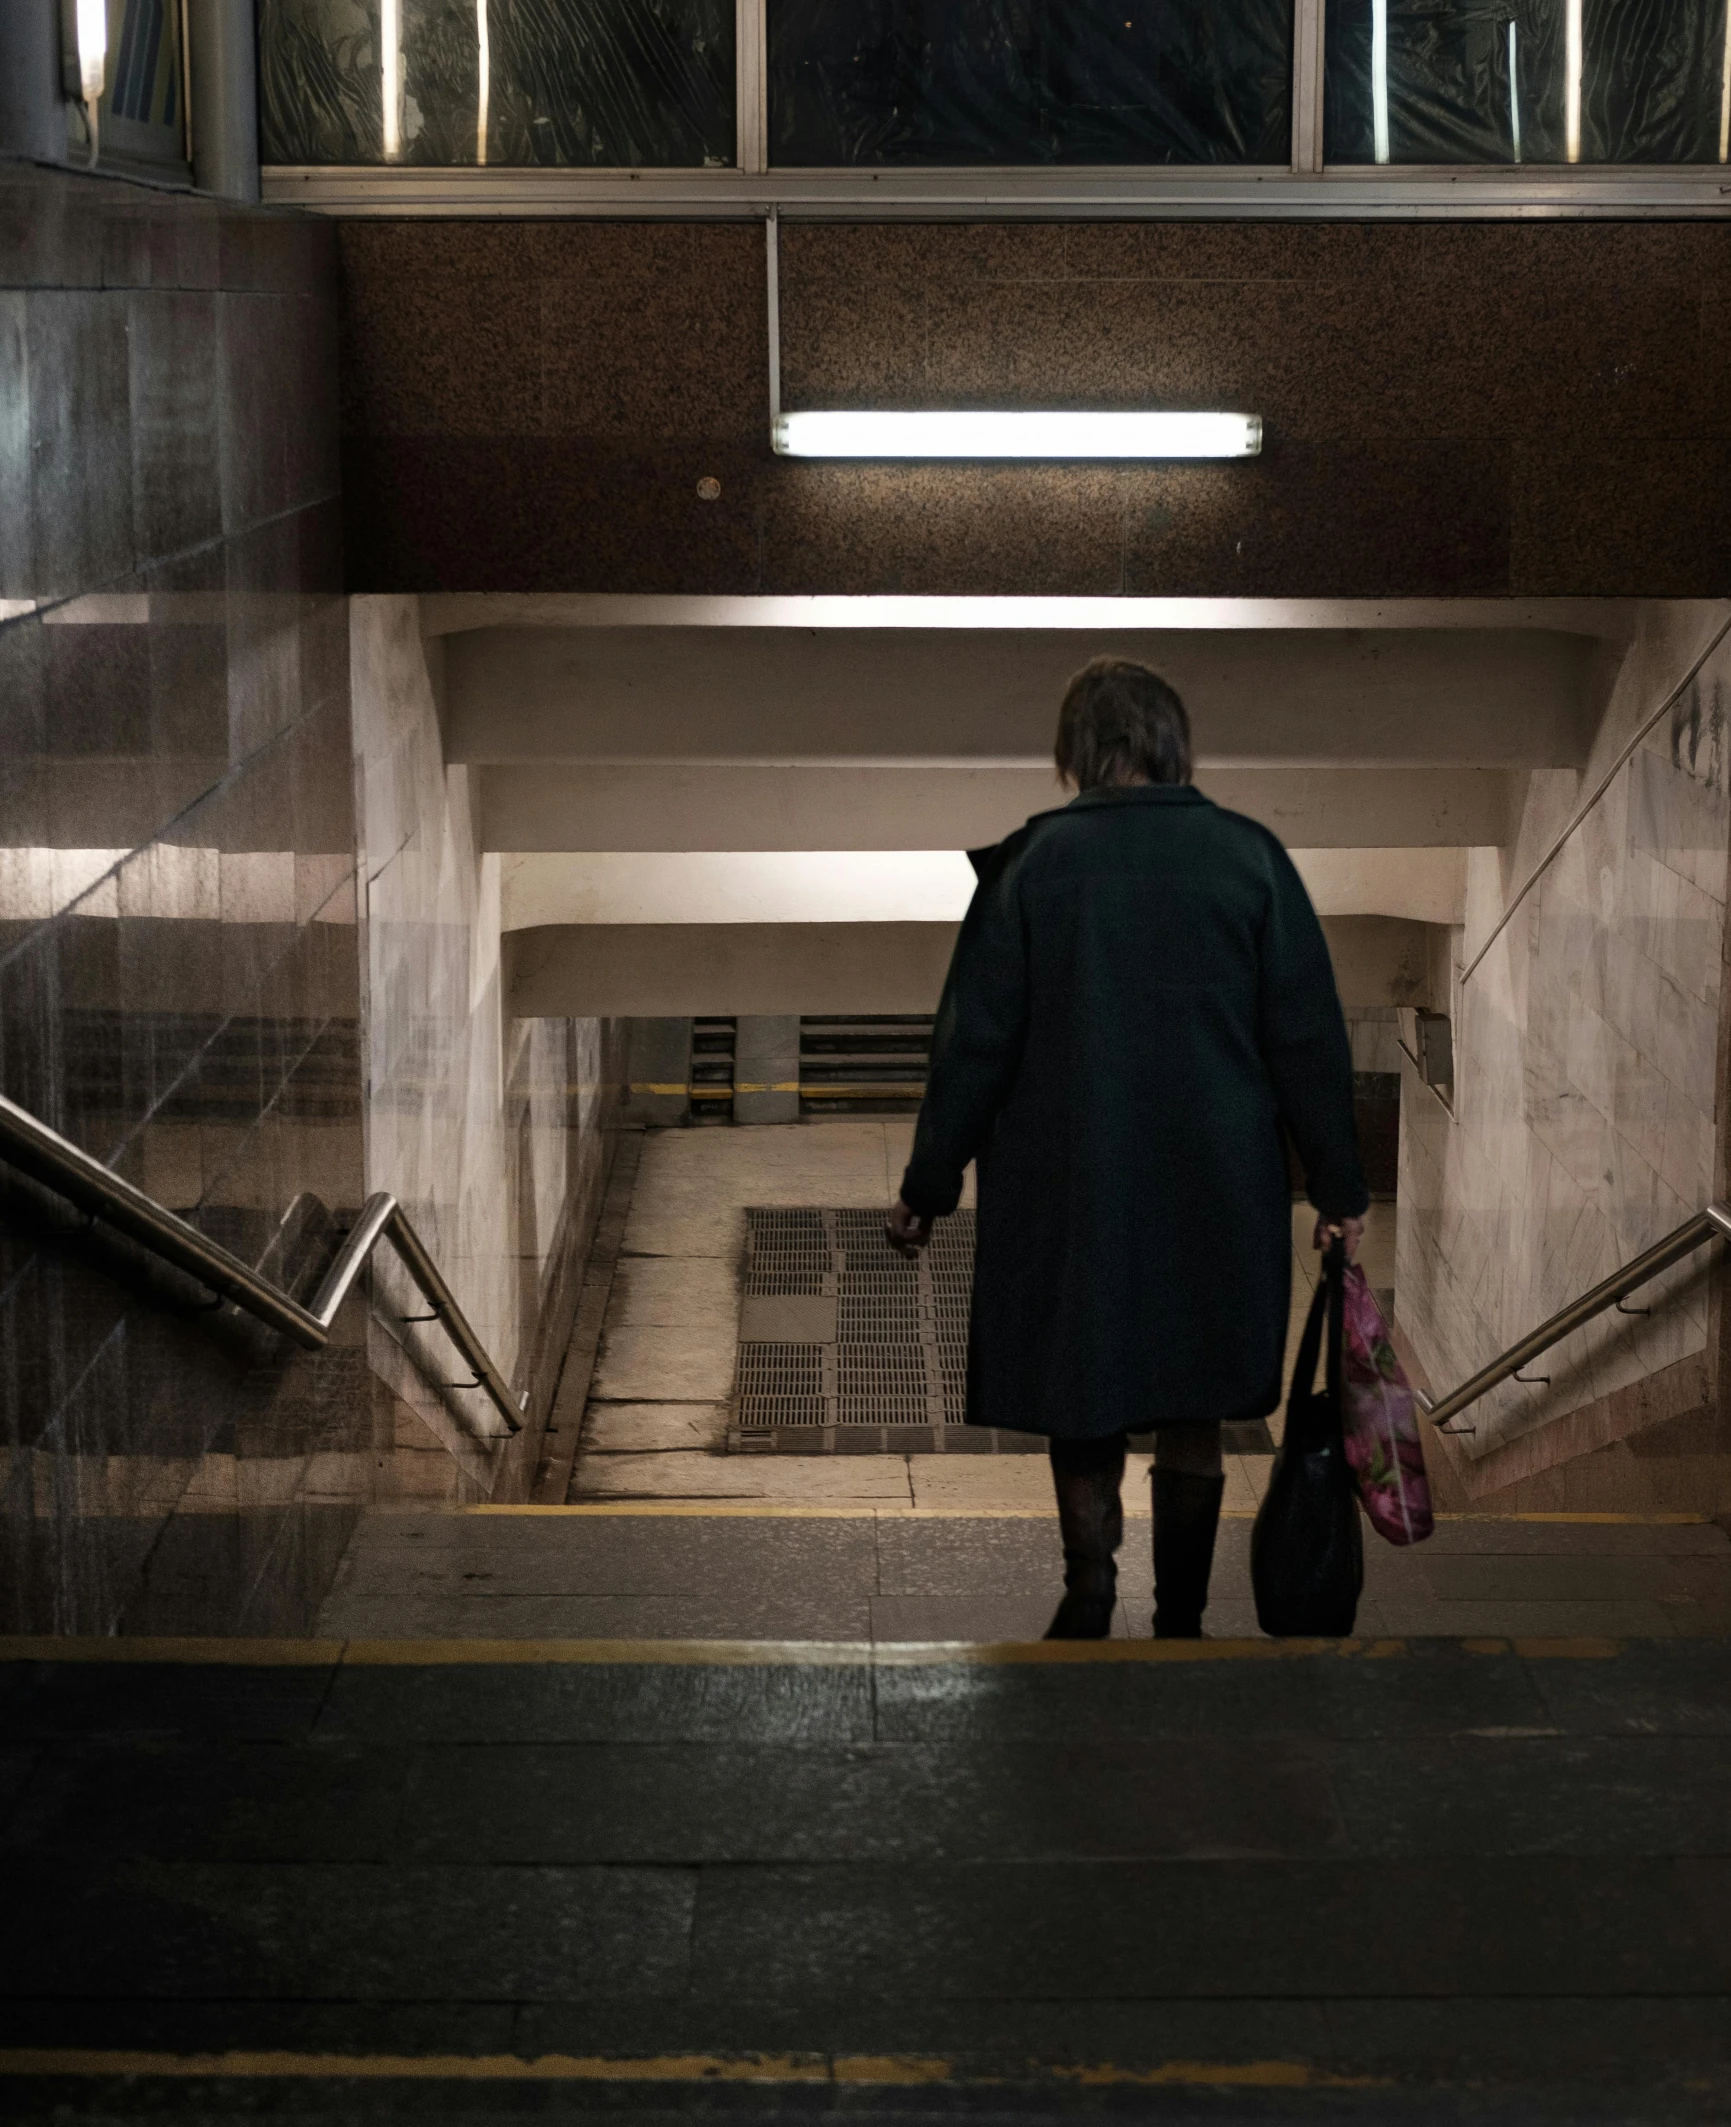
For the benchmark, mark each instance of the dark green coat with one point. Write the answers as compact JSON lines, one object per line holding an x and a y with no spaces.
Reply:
{"x":1140,"y":995}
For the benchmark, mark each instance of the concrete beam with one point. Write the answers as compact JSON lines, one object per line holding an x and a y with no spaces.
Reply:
{"x":1510,"y":698}
{"x":657,"y":970}
{"x":894,"y":885}
{"x":456,"y":612}
{"x":708,"y":969}
{"x":678,"y":806}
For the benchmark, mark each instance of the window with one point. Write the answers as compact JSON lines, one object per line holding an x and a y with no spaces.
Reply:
{"x":855,"y":82}
{"x":1540,"y":81}
{"x":603,"y":83}
{"x":1433,"y":107}
{"x":141,"y":119}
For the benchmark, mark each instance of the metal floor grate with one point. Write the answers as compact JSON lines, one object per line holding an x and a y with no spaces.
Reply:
{"x":893,"y":1375}
{"x":845,"y":1348}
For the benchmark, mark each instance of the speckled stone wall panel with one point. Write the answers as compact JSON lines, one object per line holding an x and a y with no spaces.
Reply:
{"x":179,"y":965}
{"x":1450,"y":409}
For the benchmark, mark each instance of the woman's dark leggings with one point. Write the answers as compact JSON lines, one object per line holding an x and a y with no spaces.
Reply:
{"x":1087,"y":1476}
{"x":1194,"y":1449}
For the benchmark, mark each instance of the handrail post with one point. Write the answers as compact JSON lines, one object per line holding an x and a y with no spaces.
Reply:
{"x":1712,"y":1224}
{"x":75,"y":1174}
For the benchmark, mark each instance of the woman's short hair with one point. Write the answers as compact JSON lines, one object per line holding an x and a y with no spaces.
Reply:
{"x":1121,"y":723}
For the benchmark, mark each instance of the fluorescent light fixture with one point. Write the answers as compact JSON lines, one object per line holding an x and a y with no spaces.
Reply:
{"x":1379,"y":78}
{"x":391,"y":77}
{"x":483,"y":79}
{"x":1572,"y":43}
{"x":1016,"y":435}
{"x":1725,"y":92}
{"x":92,"y":48}
{"x":1514,"y":92}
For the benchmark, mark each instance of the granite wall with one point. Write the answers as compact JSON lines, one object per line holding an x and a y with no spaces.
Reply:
{"x":1451,"y":409}
{"x":179,"y":983}
{"x":1586,"y":1119}
{"x":493,"y":1131}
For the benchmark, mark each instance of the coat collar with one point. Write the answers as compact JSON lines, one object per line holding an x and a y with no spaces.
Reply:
{"x":1137,"y":794}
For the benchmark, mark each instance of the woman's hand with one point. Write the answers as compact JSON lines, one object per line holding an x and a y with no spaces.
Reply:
{"x":906,"y":1232}
{"x":1351,"y":1231}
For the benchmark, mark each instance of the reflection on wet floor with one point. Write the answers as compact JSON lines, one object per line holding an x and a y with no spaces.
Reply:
{"x":736,"y":1570}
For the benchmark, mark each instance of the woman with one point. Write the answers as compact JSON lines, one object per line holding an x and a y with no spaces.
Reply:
{"x":1140,"y":997}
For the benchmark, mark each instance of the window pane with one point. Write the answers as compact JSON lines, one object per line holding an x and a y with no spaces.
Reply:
{"x":1470,"y":81}
{"x":1030,"y":81}
{"x":605,"y":83}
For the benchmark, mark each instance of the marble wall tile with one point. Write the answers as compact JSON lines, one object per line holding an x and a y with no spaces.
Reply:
{"x":492,"y":1131}
{"x":179,"y":974}
{"x":1586,"y":1109}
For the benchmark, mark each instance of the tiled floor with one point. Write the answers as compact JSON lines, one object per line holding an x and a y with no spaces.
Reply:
{"x":756,"y":1570}
{"x":1201,"y":1888}
{"x":665,"y":1535}
{"x":657,"y":1412}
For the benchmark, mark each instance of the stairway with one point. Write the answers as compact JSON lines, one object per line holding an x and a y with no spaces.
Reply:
{"x":870,"y":1064}
{"x":712,"y":1045}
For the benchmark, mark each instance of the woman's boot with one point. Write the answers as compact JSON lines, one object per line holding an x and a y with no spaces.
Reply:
{"x":1086,"y":1475}
{"x":1186,"y":1515}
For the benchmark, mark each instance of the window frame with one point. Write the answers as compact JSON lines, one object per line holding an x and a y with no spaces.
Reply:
{"x":1306,"y":189}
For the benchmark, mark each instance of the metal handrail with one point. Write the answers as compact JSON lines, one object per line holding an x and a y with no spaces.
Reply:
{"x":71,"y":1172}
{"x":1704,"y":1226}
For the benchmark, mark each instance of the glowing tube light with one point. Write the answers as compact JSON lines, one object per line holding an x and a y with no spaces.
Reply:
{"x":92,"y":21}
{"x":483,"y":79}
{"x":1514,"y":92}
{"x":1017,"y":435}
{"x":390,"y":77}
{"x":1572,"y":41}
{"x":1379,"y":77}
{"x":1725,"y":92}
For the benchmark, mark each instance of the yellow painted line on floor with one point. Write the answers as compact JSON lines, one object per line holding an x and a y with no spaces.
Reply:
{"x":1240,"y":2075}
{"x":783,"y":1654}
{"x":719,"y":1509}
{"x":905,"y":2071}
{"x":428,"y":2067}
{"x":986,"y":1654}
{"x":718,"y":1654}
{"x":1584,"y":1648}
{"x":236,"y":1653}
{"x":796,"y":1510}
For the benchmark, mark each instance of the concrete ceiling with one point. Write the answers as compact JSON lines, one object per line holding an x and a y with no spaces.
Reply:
{"x":1507,"y":699}
{"x":653,"y":769}
{"x":658,"y":970}
{"x":642,"y":724}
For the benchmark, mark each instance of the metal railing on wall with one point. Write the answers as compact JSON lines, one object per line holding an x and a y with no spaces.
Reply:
{"x":1713,"y":1223}
{"x":29,"y":1143}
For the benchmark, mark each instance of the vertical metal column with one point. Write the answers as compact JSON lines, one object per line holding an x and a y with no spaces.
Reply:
{"x":224,"y":58}
{"x":32,"y":105}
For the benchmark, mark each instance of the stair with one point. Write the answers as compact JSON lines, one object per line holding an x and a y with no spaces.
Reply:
{"x":873,"y":1064}
{"x":712,"y":1044}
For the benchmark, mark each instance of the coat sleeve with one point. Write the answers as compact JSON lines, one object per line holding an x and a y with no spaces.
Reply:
{"x":976,"y":1042}
{"x":1302,"y":1035}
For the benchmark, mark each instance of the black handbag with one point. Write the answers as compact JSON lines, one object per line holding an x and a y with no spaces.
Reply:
{"x":1306,"y":1550}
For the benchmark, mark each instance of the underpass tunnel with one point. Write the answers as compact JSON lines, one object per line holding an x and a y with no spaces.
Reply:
{"x":738,"y":830}
{"x":540,"y":546}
